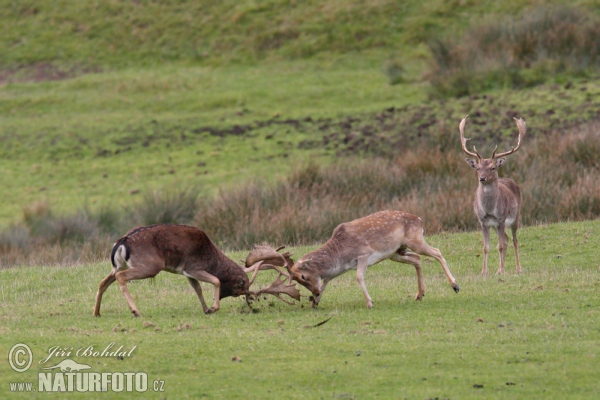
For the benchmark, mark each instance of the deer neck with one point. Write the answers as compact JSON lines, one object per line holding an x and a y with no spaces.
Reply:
{"x":487,"y":197}
{"x":328,"y":260}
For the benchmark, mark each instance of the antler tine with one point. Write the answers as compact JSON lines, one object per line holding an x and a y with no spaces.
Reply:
{"x":279,"y":287}
{"x":463,"y":140}
{"x":494,"y":152}
{"x":521,"y":125}
{"x":256,"y":268}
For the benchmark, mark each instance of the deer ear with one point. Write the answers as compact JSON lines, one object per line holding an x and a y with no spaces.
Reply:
{"x":500,"y":161}
{"x":472,"y":163}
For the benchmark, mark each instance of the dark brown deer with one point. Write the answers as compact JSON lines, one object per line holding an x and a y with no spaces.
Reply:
{"x":185,"y":250}
{"x":497,"y":200}
{"x":393,"y":235}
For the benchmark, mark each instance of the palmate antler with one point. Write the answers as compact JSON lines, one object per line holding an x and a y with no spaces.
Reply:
{"x":264,"y":257}
{"x":279,"y":287}
{"x":271,"y":259}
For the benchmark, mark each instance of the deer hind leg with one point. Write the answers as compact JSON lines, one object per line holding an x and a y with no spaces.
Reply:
{"x":361,"y":268}
{"x":502,"y":244}
{"x":196,"y":285}
{"x":486,"y":248}
{"x":204,"y":276}
{"x":106,"y":282}
{"x":407,"y":257}
{"x":134,"y":273}
{"x":421,"y":247}
{"x":514,"y":228}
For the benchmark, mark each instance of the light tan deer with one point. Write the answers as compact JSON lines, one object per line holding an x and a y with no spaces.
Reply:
{"x":357,"y":244}
{"x":497,"y":200}
{"x":185,"y":250}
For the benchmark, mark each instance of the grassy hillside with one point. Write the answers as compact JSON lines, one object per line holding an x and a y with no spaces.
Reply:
{"x":78,"y":36}
{"x":532,"y":335}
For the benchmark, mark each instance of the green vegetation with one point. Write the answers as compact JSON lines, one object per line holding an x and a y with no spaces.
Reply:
{"x":245,"y":118}
{"x":532,"y":335}
{"x":114,"y":33}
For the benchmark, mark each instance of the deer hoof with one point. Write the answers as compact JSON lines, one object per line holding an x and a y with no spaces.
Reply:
{"x":456,"y":288}
{"x":136,"y":314}
{"x":419,"y":296}
{"x":211,"y":311}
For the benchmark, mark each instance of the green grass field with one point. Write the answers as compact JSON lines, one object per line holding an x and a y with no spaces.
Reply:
{"x":532,"y":335}
{"x":102,"y":103}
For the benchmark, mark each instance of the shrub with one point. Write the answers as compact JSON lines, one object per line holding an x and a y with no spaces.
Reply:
{"x":516,"y":52}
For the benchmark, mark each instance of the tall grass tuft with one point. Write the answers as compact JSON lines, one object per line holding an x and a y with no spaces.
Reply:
{"x":543,"y":43}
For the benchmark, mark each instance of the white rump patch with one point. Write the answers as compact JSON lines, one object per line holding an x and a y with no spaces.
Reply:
{"x":120,"y":254}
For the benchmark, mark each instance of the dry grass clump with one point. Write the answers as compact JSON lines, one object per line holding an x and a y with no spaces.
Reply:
{"x":516,"y":52}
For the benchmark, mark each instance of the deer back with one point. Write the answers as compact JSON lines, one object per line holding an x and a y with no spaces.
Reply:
{"x":177,"y":248}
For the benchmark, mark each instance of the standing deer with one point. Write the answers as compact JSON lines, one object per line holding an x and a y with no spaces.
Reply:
{"x":497,"y":200}
{"x":185,"y":250}
{"x":363,"y":242}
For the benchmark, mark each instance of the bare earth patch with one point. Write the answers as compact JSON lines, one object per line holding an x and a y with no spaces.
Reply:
{"x":42,"y":72}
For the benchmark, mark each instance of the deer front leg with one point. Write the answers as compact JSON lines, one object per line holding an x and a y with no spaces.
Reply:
{"x":317,"y":299}
{"x":502,"y":245}
{"x":196,"y":285}
{"x":486,"y":247}
{"x":204,"y":276}
{"x":361,"y":268}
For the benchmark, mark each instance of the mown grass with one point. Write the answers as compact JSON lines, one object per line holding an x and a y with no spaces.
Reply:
{"x":517,"y":336}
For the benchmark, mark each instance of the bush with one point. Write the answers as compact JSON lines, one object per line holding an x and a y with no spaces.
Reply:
{"x":517,"y":52}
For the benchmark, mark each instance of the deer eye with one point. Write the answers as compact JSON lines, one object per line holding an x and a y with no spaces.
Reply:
{"x":303,"y":278}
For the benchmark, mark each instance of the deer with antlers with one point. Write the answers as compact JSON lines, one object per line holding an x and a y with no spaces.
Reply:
{"x":497,"y":200}
{"x":357,"y":244}
{"x":186,"y":250}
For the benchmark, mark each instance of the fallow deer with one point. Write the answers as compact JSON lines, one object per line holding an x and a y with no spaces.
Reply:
{"x":357,"y":244}
{"x":185,"y":250}
{"x":497,"y":200}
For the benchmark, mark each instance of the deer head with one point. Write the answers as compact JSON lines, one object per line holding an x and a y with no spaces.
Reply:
{"x":487,"y":168}
{"x":306,"y":273}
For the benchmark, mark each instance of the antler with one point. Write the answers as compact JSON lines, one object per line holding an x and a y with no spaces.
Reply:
{"x":522,"y":129}
{"x":279,"y":287}
{"x":463,"y":141}
{"x":270,"y":258}
{"x":264,"y":257}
